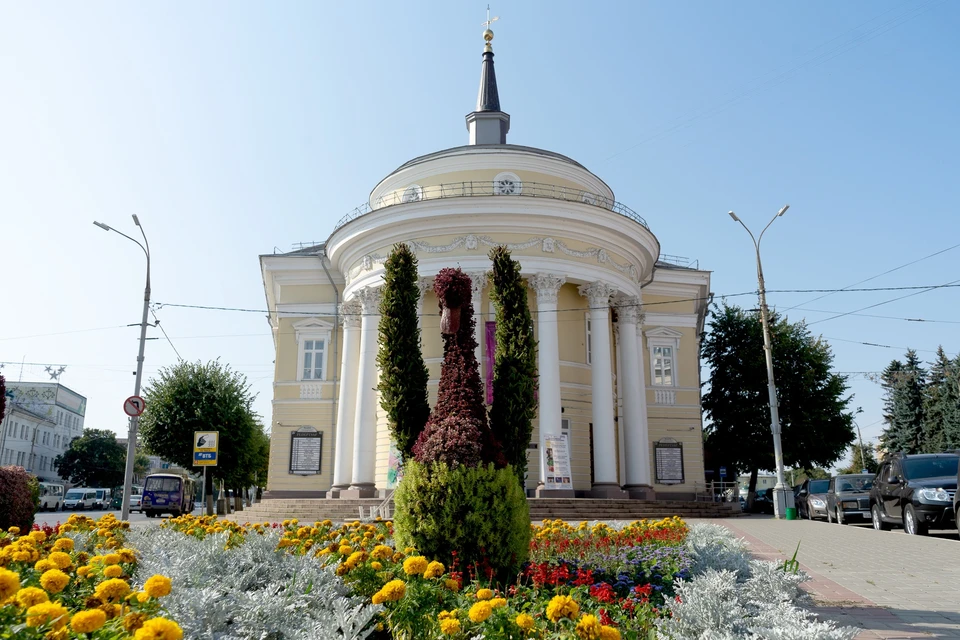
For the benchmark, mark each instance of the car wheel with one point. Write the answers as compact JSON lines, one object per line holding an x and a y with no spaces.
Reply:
{"x":840,"y":519}
{"x":829,"y":515}
{"x":911,"y":524}
{"x":878,"y":522}
{"x":809,"y":513}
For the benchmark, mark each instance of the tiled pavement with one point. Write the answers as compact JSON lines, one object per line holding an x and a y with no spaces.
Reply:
{"x":889,"y":584}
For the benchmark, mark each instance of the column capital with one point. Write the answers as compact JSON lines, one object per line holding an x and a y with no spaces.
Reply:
{"x":478,"y":281}
{"x":369,"y":298}
{"x":547,"y":285}
{"x":597,"y":293}
{"x":350,"y":311}
{"x":424,"y":284}
{"x":628,"y":309}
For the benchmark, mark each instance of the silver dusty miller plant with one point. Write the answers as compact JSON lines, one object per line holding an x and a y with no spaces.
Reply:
{"x":251,"y":591}
{"x":731,"y":597}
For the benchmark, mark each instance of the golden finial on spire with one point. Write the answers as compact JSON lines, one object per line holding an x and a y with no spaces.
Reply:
{"x":487,"y":33}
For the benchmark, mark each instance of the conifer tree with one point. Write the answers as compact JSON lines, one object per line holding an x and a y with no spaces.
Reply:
{"x":515,"y":368}
{"x":403,"y":374}
{"x":903,"y":405}
{"x":936,"y":399}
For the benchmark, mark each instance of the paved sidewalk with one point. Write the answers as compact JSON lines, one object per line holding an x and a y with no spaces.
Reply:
{"x":889,"y":584}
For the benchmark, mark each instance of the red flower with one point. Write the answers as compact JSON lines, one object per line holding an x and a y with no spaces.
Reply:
{"x":603,"y":592}
{"x":584,"y":577}
{"x":645,"y":590}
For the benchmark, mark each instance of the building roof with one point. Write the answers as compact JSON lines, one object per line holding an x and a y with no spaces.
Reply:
{"x":488,"y":98}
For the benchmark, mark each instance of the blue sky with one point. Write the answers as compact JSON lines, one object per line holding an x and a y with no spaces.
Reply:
{"x":234,"y":128}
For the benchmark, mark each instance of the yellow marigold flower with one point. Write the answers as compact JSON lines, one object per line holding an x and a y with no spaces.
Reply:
{"x":29,"y":596}
{"x":355,"y":558}
{"x":112,"y":558}
{"x":562,"y":607}
{"x":88,"y":621}
{"x":60,"y":559}
{"x":415,"y":565}
{"x":484,"y":594}
{"x":450,"y":626}
{"x":394,"y":590}
{"x":434,"y":570}
{"x":397,"y":557}
{"x":113,"y":571}
{"x":444,"y":615}
{"x":159,"y":629}
{"x":498,"y":602}
{"x":525,"y":622}
{"x":54,"y":580}
{"x":21,"y":556}
{"x":588,"y":627}
{"x":142,"y":597}
{"x":451,"y":584}
{"x":157,"y":586}
{"x":609,"y":633}
{"x":39,"y":536}
{"x":480,"y":611}
{"x":83,"y":572}
{"x":376,"y":566}
{"x":378,"y":598}
{"x":114,"y":589}
{"x":345,"y":550}
{"x":63,"y":544}
{"x":45,"y":565}
{"x":381,"y":552}
{"x":52,"y":613}
{"x":14,"y":531}
{"x":133,"y":621}
{"x":127,"y":555}
{"x":112,"y":610}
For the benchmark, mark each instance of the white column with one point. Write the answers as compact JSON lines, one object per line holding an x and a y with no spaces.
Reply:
{"x":424,"y":284}
{"x":605,"y":481}
{"x":478,"y":281}
{"x":363,"y":482}
{"x":547,"y":286}
{"x":634,"y":424}
{"x":347,"y":401}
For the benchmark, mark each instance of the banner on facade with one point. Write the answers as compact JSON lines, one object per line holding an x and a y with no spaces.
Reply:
{"x":668,"y":455}
{"x":306,"y":445}
{"x":557,"y":454}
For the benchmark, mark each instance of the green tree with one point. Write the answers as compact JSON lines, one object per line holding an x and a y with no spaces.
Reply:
{"x":403,"y":374}
{"x":941,"y":405}
{"x":95,"y":459}
{"x":3,"y":398}
{"x":141,"y":464}
{"x":904,"y":385}
{"x":816,"y":426}
{"x":191,"y":396}
{"x":515,"y":368}
{"x":861,"y":458}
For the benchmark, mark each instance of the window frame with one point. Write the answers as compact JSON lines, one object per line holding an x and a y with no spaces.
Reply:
{"x":313,"y":329}
{"x":664,"y":337}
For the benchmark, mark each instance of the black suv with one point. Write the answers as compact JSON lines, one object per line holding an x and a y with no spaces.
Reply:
{"x":916,"y":491}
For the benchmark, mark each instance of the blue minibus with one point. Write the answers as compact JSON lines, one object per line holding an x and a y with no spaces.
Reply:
{"x":167,"y":493}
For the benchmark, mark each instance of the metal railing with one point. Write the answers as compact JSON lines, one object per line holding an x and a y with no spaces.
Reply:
{"x":491,"y":188}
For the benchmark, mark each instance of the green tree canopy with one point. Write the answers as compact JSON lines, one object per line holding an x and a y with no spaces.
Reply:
{"x":816,"y":426}
{"x":515,"y":368}
{"x":403,"y":374}
{"x":192,"y":396}
{"x":95,"y":459}
{"x":861,"y":458}
{"x":903,"y":384}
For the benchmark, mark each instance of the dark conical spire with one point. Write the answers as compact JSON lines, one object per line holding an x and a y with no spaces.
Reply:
{"x":488,"y":124}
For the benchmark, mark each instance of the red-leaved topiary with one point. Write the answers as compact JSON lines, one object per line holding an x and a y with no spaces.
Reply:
{"x":19,"y":498}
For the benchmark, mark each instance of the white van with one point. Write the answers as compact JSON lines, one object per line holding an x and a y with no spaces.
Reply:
{"x":80,"y":498}
{"x":103,"y":498}
{"x":51,"y":496}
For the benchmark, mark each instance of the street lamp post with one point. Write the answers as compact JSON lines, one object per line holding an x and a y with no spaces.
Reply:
{"x":134,"y":421}
{"x":782,"y":496}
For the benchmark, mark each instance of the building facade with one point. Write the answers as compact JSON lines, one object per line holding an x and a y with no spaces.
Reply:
{"x":41,"y":419}
{"x":617,"y":323}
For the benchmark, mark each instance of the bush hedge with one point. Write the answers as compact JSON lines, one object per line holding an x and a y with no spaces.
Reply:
{"x":476,"y":516}
{"x":19,"y":498}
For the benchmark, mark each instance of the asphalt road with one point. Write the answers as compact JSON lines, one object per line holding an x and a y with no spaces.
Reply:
{"x":51,"y":518}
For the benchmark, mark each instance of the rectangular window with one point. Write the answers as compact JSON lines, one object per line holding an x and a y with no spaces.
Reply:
{"x":663,"y":366}
{"x":589,"y":342}
{"x":313,"y":359}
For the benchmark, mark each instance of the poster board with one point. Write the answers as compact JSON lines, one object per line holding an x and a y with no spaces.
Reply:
{"x":556,"y":451}
{"x":306,"y":445}
{"x":668,"y":456}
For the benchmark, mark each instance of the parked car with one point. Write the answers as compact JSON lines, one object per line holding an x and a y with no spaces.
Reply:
{"x":916,"y":491}
{"x":80,"y":499}
{"x":136,"y":503}
{"x":848,"y":498}
{"x":763,"y":501}
{"x":811,"y":499}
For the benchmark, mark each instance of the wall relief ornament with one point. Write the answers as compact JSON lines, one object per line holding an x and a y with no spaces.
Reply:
{"x":473,"y":242}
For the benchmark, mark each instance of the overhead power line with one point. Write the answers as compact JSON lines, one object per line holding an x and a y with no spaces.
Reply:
{"x":878,"y":304}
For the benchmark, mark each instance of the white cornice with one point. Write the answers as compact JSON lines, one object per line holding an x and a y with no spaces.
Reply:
{"x":686,"y":320}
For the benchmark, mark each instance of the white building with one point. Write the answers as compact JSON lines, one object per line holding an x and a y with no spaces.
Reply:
{"x":40,"y":420}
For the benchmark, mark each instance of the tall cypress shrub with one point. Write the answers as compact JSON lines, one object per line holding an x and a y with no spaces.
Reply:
{"x":403,"y":374}
{"x":515,"y":368}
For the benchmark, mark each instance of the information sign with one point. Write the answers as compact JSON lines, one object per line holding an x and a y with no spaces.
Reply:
{"x":557,"y":452}
{"x":205,"y":448}
{"x":306,"y":445}
{"x":669,"y":462}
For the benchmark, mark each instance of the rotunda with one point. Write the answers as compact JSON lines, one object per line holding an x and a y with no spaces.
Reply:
{"x":617,"y":322}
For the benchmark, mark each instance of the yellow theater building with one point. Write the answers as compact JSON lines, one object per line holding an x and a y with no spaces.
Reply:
{"x":617,"y":322}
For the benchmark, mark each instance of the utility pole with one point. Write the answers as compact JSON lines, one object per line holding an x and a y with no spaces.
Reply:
{"x":135,"y":420}
{"x":783,"y":498}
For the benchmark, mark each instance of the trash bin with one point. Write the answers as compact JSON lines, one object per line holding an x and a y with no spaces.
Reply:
{"x":791,"y":513}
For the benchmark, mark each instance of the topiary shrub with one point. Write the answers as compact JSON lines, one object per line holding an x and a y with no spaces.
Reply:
{"x":19,"y":498}
{"x":479,"y":513}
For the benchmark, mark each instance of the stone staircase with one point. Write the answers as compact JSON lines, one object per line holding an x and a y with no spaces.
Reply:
{"x":570,"y":509}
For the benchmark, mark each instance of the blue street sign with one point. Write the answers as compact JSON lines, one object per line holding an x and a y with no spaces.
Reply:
{"x":204,"y":458}
{"x":723,"y":472}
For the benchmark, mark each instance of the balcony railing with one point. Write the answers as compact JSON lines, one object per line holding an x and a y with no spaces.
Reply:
{"x":490,"y":188}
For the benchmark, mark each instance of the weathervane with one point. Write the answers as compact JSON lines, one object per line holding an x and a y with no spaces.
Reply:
{"x":489,"y":21}
{"x":55,"y":372}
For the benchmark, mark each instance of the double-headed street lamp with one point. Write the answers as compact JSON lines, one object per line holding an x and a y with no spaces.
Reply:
{"x":135,"y":420}
{"x":782,"y":496}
